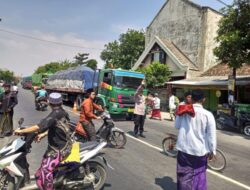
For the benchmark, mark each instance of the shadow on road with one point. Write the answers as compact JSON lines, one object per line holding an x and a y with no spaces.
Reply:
{"x":105,"y":186}
{"x":233,"y":132}
{"x":166,"y":183}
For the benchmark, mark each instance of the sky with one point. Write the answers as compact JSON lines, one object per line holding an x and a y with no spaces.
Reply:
{"x":81,"y":26}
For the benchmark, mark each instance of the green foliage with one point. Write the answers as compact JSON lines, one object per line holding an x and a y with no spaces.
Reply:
{"x":156,"y":74}
{"x":54,"y":67}
{"x":7,"y":76}
{"x":124,"y":53}
{"x":234,"y":35}
{"x":81,"y":58}
{"x":92,"y":63}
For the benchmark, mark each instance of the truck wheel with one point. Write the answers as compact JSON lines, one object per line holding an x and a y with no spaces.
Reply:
{"x":79,"y":100}
{"x":247,"y":130}
{"x":219,"y":126}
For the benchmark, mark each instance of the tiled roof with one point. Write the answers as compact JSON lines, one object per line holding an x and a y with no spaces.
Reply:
{"x":224,"y":70}
{"x":179,"y":54}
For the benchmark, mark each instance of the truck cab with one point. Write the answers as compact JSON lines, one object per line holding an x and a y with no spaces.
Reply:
{"x":116,"y":91}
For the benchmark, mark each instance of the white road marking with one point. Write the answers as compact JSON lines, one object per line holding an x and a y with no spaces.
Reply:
{"x":161,"y":150}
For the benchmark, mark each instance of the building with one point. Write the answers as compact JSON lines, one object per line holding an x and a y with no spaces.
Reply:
{"x":182,"y":36}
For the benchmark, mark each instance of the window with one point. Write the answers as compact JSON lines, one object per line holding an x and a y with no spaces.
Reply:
{"x":107,"y":78}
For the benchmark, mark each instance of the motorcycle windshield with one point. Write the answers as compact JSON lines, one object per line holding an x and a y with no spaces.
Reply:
{"x":12,"y":147}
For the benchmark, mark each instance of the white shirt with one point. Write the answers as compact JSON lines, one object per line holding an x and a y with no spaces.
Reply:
{"x":197,"y":135}
{"x":157,"y":103}
{"x":14,"y":88}
{"x":172,"y":102}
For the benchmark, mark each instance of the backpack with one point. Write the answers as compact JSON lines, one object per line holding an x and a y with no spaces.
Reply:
{"x":63,"y":124}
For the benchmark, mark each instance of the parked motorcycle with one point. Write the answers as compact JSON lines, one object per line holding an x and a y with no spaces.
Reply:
{"x":89,"y":173}
{"x":240,"y":122}
{"x":41,"y":103}
{"x":114,"y":136}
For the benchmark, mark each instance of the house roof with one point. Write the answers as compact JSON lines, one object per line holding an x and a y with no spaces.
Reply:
{"x":172,"y":51}
{"x":224,"y":70}
{"x":212,"y":82}
{"x":179,"y":54}
{"x":190,"y":3}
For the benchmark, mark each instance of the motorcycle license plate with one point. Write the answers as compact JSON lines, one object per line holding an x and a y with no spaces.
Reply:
{"x":130,"y":110}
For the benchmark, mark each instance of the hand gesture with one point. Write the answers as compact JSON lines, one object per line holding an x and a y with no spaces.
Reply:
{"x":18,"y":132}
{"x":143,"y":82}
{"x":211,"y":156}
{"x":39,"y":137}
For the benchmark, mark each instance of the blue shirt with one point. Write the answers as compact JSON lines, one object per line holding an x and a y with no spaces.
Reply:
{"x":42,"y":93}
{"x":197,"y":135}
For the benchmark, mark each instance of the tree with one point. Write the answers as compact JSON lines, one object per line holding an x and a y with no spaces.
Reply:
{"x":7,"y":76}
{"x":234,"y":35}
{"x":54,"y":67}
{"x":92,"y":63}
{"x":81,"y":58}
{"x":124,"y":52}
{"x":156,"y":74}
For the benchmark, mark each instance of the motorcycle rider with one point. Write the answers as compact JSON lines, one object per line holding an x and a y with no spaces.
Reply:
{"x":56,"y":126}
{"x":14,"y":88}
{"x":40,"y":94}
{"x":87,"y":114}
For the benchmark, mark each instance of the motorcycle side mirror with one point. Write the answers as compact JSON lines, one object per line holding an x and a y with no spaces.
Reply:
{"x":20,"y":122}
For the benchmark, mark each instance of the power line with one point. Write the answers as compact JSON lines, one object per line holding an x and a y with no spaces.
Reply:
{"x":220,"y":1}
{"x":48,"y":41}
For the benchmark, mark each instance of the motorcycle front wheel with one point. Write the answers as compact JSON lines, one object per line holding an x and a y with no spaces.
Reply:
{"x":117,"y":139}
{"x":6,"y":181}
{"x":99,"y":171}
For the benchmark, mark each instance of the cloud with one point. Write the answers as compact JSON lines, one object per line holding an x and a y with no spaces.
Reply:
{"x":24,"y":55}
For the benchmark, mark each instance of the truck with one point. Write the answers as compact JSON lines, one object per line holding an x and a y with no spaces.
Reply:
{"x":27,"y":82}
{"x":115,"y":87}
{"x":39,"y":79}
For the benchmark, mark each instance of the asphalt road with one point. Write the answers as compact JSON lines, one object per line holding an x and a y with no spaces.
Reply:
{"x":141,"y":165}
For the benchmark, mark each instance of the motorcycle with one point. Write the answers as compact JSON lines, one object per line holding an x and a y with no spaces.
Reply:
{"x":89,"y":173}
{"x":41,"y":103}
{"x":114,"y":136}
{"x":240,"y":122}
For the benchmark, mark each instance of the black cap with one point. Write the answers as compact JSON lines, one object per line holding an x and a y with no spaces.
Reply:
{"x":188,"y":93}
{"x":197,"y":95}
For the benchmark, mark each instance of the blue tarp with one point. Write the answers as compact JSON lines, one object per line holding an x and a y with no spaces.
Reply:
{"x":81,"y":73}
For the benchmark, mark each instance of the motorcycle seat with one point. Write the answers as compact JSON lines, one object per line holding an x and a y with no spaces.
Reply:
{"x":88,"y":145}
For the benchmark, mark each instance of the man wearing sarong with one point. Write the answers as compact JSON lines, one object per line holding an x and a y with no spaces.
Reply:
{"x":196,"y":141}
{"x":8,"y":101}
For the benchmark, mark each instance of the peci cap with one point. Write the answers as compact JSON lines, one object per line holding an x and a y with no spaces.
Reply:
{"x":55,"y":98}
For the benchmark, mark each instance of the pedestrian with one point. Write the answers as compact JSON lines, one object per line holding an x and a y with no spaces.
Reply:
{"x":173,"y":103}
{"x":56,"y":127}
{"x":187,"y":98}
{"x":156,"y":113}
{"x":14,"y":88}
{"x":140,"y":109}
{"x":87,"y":114}
{"x":149,"y":103}
{"x":196,"y":141}
{"x":8,"y":101}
